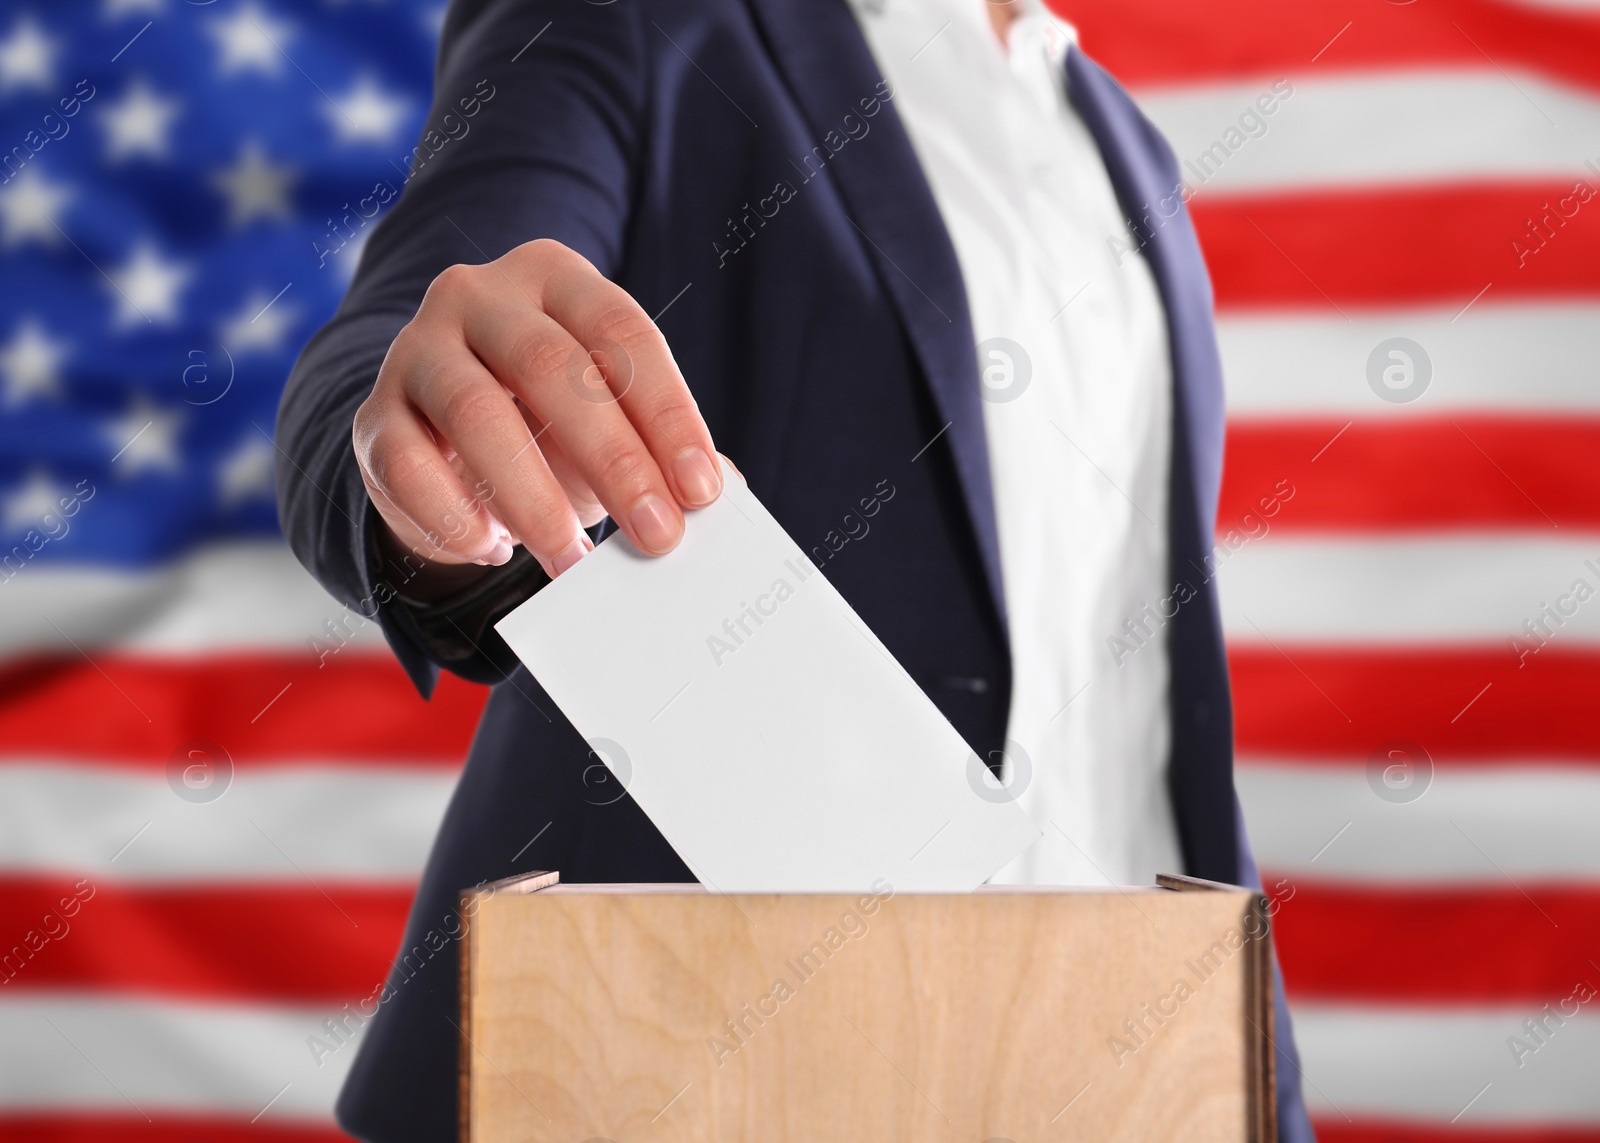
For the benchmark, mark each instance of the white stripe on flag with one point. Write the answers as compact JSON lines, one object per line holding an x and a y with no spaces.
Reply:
{"x":1454,"y":589}
{"x":238,"y":596}
{"x":1380,"y":127}
{"x":133,"y":1056}
{"x":1523,"y":359}
{"x":270,"y":824}
{"x":1401,"y":825}
{"x":1433,"y":1065}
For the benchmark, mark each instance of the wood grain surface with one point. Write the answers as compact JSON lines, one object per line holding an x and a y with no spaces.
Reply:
{"x":660,"y":1015}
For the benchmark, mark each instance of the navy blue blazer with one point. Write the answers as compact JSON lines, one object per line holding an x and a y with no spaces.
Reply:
{"x":740,"y":168}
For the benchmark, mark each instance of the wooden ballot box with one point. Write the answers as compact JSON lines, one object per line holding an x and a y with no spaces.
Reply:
{"x":668,"y":1014}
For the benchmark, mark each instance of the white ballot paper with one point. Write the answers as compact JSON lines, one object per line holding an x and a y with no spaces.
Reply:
{"x":768,"y":734}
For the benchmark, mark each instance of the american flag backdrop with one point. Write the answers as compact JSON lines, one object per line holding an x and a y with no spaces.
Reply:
{"x":208,"y":840}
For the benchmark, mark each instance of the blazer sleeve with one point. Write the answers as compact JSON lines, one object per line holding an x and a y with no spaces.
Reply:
{"x":535,"y":132}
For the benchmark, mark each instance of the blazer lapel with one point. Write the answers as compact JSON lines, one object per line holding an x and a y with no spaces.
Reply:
{"x":828,"y":67}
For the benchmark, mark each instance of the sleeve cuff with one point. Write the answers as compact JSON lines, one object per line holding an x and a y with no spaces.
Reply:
{"x":455,"y":632}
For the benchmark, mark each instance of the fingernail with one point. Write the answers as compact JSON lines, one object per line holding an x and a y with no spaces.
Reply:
{"x":653,"y":525}
{"x":568,"y":556}
{"x":499,"y":554}
{"x":696,"y":477}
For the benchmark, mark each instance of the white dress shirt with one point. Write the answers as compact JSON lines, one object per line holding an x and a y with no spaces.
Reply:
{"x":1078,"y":418}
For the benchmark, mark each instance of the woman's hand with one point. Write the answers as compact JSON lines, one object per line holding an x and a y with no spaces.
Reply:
{"x":527,"y":399}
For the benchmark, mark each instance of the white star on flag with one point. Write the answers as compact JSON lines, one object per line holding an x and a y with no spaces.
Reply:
{"x":27,"y":57}
{"x":27,"y":207}
{"x":250,"y":41}
{"x":139,"y":123}
{"x":146,"y":436}
{"x":147,"y":288}
{"x":254,"y":186}
{"x":247,"y":474}
{"x":367,"y":114}
{"x":261,"y":324}
{"x":30,"y":503}
{"x":30,"y":364}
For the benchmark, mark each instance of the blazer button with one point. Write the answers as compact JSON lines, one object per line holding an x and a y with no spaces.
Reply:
{"x":963,"y":683}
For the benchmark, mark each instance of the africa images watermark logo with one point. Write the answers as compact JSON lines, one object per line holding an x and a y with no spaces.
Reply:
{"x":801,"y":968}
{"x":1004,"y":776}
{"x":1399,"y":771}
{"x":1251,"y":124}
{"x":1399,"y":370}
{"x":742,"y":625}
{"x":744,"y":224}
{"x":199,"y":770}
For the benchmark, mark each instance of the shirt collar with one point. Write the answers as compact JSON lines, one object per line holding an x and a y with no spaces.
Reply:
{"x":1036,"y":24}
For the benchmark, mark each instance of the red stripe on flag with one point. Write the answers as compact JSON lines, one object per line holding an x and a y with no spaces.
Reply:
{"x":1149,"y":42}
{"x":1427,"y":945}
{"x":1460,"y":705}
{"x":260,"y":707}
{"x":1471,"y":471}
{"x":295,"y":945}
{"x":285,"y":943}
{"x":1337,"y":250}
{"x":165,"y":1127}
